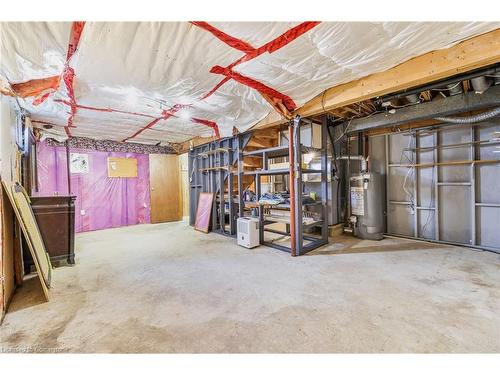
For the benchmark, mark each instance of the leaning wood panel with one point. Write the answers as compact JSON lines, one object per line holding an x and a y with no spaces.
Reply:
{"x":20,"y":203}
{"x":204,"y":212}
{"x":6,"y":248}
{"x":10,"y":262}
{"x":2,"y":251}
{"x":166,"y":201}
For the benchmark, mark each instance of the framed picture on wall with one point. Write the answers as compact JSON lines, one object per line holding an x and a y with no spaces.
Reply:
{"x":78,"y":163}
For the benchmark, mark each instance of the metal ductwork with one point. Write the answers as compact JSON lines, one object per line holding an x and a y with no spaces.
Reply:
{"x":440,"y":109}
{"x":361,"y":158}
{"x":448,"y":82}
{"x":481,"y":84}
{"x":413,"y":98}
{"x":471,"y":119}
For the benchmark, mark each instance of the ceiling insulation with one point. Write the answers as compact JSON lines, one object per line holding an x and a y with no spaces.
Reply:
{"x":151,"y":82}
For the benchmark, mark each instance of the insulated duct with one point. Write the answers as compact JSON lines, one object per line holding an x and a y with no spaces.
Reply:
{"x":481,"y":84}
{"x":471,"y":119}
{"x":361,"y":158}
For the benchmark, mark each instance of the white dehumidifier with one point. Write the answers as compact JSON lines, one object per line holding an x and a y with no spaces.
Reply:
{"x":248,"y":232}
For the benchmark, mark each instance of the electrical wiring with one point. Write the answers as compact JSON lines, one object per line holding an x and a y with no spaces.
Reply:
{"x":448,"y":89}
{"x":344,"y":132}
{"x":336,"y":174}
{"x":408,"y":193}
{"x":192,"y":169}
{"x":431,"y":204}
{"x":404,"y":106}
{"x":411,"y":171}
{"x":349,"y":120}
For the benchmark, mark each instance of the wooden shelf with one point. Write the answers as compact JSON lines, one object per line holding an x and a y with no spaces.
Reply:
{"x":286,"y":220}
{"x":271,"y":172}
{"x":214,"y":169}
{"x":272,"y":152}
{"x":214,"y":151}
{"x":279,"y":151}
{"x":281,"y":206}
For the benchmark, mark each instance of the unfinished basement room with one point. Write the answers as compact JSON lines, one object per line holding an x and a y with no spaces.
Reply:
{"x":250,"y":187}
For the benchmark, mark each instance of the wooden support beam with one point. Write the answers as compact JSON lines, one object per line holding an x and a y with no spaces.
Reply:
{"x":473,"y":53}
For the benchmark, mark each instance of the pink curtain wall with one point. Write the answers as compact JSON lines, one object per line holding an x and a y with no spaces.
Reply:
{"x":101,"y":202}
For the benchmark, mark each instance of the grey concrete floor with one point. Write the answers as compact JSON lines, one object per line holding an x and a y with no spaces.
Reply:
{"x":168,"y":288}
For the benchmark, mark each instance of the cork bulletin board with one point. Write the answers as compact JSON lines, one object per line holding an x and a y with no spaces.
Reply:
{"x":122,"y":167}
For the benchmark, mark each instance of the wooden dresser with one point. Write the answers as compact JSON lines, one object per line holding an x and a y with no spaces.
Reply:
{"x":56,"y":219}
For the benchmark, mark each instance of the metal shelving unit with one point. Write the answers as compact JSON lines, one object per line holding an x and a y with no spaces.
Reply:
{"x":214,"y":167}
{"x":300,"y":223}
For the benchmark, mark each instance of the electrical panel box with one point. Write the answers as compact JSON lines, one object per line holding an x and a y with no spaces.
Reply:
{"x":248,"y":232}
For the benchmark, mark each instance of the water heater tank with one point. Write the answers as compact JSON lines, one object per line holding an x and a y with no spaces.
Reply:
{"x":367,"y":215}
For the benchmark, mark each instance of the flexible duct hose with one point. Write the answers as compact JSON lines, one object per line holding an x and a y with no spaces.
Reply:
{"x":471,"y":119}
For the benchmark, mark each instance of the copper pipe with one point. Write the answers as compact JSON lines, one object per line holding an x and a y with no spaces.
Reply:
{"x":291,"y":159}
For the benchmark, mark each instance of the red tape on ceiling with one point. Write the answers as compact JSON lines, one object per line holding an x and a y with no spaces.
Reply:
{"x":251,"y":53}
